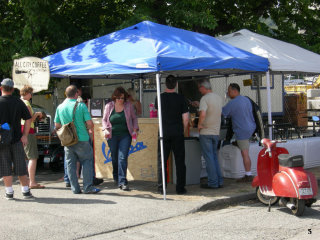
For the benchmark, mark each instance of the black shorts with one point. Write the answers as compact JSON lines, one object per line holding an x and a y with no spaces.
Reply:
{"x":12,"y":160}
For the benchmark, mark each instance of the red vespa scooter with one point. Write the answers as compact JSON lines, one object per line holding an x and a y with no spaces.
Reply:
{"x":282,"y":177}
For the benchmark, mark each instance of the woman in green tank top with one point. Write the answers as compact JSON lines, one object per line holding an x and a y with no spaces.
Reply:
{"x":119,"y":124}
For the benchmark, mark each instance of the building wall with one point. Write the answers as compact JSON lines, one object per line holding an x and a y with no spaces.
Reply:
{"x":220,"y":86}
{"x":103,"y":88}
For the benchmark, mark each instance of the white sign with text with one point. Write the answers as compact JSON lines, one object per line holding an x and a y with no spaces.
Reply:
{"x":31,"y":71}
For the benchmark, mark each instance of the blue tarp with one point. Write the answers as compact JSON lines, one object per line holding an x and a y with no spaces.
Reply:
{"x":148,"y":47}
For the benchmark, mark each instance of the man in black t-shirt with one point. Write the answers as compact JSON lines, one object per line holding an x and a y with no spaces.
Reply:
{"x":175,"y":117}
{"x":12,"y":110}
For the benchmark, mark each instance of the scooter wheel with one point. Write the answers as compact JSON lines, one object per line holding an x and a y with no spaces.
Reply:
{"x":299,"y":205}
{"x":265,"y":199}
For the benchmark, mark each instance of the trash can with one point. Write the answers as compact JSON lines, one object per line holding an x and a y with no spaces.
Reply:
{"x":192,"y":160}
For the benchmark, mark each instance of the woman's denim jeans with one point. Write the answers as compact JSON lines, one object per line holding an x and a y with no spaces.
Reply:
{"x":119,"y":147}
{"x":209,"y":147}
{"x":82,"y":152}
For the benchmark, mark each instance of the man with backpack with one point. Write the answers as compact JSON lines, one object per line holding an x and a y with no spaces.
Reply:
{"x":12,"y":110}
{"x":243,"y":125}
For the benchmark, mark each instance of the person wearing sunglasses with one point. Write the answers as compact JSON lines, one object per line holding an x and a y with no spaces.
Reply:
{"x":119,"y":125}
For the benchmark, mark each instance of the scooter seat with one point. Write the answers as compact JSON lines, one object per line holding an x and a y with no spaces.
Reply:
{"x":286,"y":160}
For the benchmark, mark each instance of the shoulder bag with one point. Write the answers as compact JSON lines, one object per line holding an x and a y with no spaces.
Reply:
{"x":68,"y":132}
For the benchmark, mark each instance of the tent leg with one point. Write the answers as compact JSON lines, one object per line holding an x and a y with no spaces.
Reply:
{"x":269,"y":105}
{"x":226,"y":92}
{"x":140,"y":93}
{"x":161,"y":136}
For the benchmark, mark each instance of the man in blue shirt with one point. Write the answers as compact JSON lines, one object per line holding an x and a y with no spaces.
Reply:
{"x":243,"y":125}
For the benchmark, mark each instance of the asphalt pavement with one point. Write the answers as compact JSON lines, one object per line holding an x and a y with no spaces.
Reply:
{"x":57,"y":213}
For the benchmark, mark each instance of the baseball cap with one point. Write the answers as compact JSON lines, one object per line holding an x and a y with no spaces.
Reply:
{"x":7,"y":82}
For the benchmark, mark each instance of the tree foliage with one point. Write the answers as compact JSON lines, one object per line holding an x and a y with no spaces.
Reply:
{"x":42,"y":27}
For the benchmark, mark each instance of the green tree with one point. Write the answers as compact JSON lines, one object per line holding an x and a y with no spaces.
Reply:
{"x":187,"y":14}
{"x":294,"y":21}
{"x":10,"y":30}
{"x":297,"y":22}
{"x":42,"y":27}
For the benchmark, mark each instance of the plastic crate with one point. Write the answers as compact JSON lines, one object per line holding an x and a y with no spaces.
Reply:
{"x":47,"y":139}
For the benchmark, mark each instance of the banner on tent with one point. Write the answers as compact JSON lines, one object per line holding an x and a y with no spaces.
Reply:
{"x":31,"y":71}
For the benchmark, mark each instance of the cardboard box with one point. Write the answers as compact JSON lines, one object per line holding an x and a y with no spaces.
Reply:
{"x":313,"y":103}
{"x":312,"y":93}
{"x":299,"y":119}
{"x":295,"y":102}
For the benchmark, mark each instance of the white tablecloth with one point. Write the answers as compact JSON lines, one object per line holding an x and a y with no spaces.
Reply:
{"x":231,"y":163}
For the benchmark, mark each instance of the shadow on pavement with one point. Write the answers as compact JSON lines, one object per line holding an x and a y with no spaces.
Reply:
{"x":144,"y":196}
{"x":309,"y":213}
{"x":53,"y":200}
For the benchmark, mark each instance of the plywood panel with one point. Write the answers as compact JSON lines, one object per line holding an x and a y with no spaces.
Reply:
{"x":142,"y":161}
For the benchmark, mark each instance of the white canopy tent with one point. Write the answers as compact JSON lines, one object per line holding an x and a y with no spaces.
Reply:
{"x":283,"y":57}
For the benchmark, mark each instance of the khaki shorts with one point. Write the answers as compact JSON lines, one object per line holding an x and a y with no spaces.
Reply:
{"x":243,"y":144}
{"x":31,"y":149}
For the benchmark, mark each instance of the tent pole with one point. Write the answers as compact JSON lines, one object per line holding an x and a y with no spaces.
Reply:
{"x":269,"y":105}
{"x":226,"y":89}
{"x":258,"y":97}
{"x":55,"y":97}
{"x":141,"y":92}
{"x":161,"y":135}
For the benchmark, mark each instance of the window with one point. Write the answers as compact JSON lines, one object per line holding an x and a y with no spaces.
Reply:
{"x":148,"y":84}
{"x":261,"y":79}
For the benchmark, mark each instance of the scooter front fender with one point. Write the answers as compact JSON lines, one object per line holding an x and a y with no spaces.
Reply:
{"x":255,"y":183}
{"x":283,"y":186}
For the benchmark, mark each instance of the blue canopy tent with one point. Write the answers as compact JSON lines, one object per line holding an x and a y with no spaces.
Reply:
{"x":147,"y":49}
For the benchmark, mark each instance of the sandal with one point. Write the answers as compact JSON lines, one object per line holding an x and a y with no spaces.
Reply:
{"x":38,"y":186}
